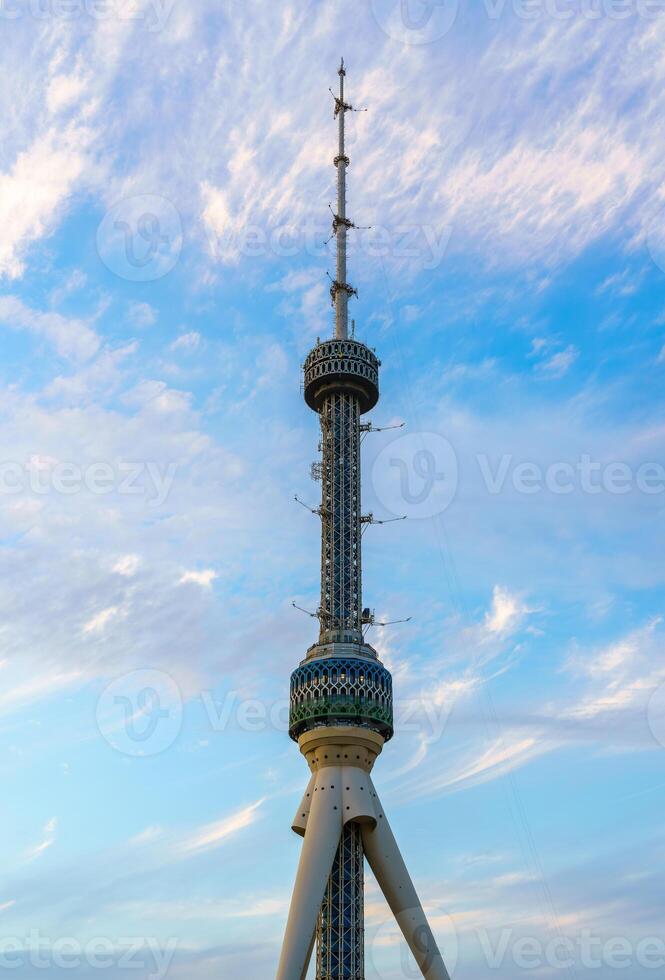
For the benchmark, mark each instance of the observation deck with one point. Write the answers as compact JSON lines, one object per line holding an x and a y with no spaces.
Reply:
{"x":342,"y":367}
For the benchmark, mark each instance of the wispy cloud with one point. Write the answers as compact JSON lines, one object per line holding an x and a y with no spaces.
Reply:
{"x":47,"y":841}
{"x":214,"y":834}
{"x":99,"y":622}
{"x":71,"y":337}
{"x":189,"y":341}
{"x":559,"y":364}
{"x":47,"y":684}
{"x":507,"y":613}
{"x":619,"y":675}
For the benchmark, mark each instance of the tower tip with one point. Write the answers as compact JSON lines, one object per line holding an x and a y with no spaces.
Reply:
{"x":342,"y":69}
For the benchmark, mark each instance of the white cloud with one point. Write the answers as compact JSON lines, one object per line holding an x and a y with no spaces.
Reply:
{"x":147,"y":836}
{"x":70,"y":285}
{"x":189,"y":341}
{"x":156,"y":396}
{"x":142,"y":314}
{"x":127,"y":565}
{"x":72,"y":338}
{"x":558,"y":365}
{"x":47,"y":684}
{"x":213,"y":834}
{"x":538,"y":345}
{"x":34,"y":190}
{"x":47,"y":841}
{"x":553,"y":177}
{"x":508,"y":751}
{"x":624,"y":283}
{"x":204,"y":578}
{"x":63,"y":90}
{"x":507,"y":612}
{"x":97,"y":379}
{"x":99,"y":622}
{"x":621,"y":675}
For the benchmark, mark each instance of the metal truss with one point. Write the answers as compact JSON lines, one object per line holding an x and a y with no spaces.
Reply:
{"x":340,"y":929}
{"x":341,"y":585}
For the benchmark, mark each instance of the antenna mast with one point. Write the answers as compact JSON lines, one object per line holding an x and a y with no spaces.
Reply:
{"x":340,"y":289}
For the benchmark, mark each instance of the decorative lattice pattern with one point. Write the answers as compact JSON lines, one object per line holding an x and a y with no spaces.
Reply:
{"x":340,"y":933}
{"x":341,"y":690}
{"x":346,"y":362}
{"x":340,"y":610}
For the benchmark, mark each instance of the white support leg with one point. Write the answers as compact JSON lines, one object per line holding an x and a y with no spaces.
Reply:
{"x":303,"y":975}
{"x":389,"y":869}
{"x":324,"y":829}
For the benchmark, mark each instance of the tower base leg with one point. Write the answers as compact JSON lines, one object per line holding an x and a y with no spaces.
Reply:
{"x":324,"y":829}
{"x":390,"y":871}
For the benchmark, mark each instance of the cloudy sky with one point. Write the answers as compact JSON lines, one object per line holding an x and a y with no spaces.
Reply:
{"x":165,"y":175}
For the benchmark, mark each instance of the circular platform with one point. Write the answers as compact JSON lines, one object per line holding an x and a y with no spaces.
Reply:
{"x":342,"y":366}
{"x":341,"y":691}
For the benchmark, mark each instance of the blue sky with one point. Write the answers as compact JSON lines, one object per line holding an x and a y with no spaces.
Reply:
{"x":165,"y":174}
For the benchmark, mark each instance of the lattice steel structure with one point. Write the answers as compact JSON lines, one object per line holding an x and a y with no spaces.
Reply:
{"x":341,"y":711}
{"x":341,"y":929}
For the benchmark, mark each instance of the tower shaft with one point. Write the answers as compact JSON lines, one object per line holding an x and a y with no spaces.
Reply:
{"x":341,"y":585}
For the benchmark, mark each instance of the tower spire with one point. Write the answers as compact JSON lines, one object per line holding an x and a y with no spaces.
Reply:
{"x":340,"y":289}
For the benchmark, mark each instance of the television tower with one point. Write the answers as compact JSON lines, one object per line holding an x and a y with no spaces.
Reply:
{"x":341,"y":694}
